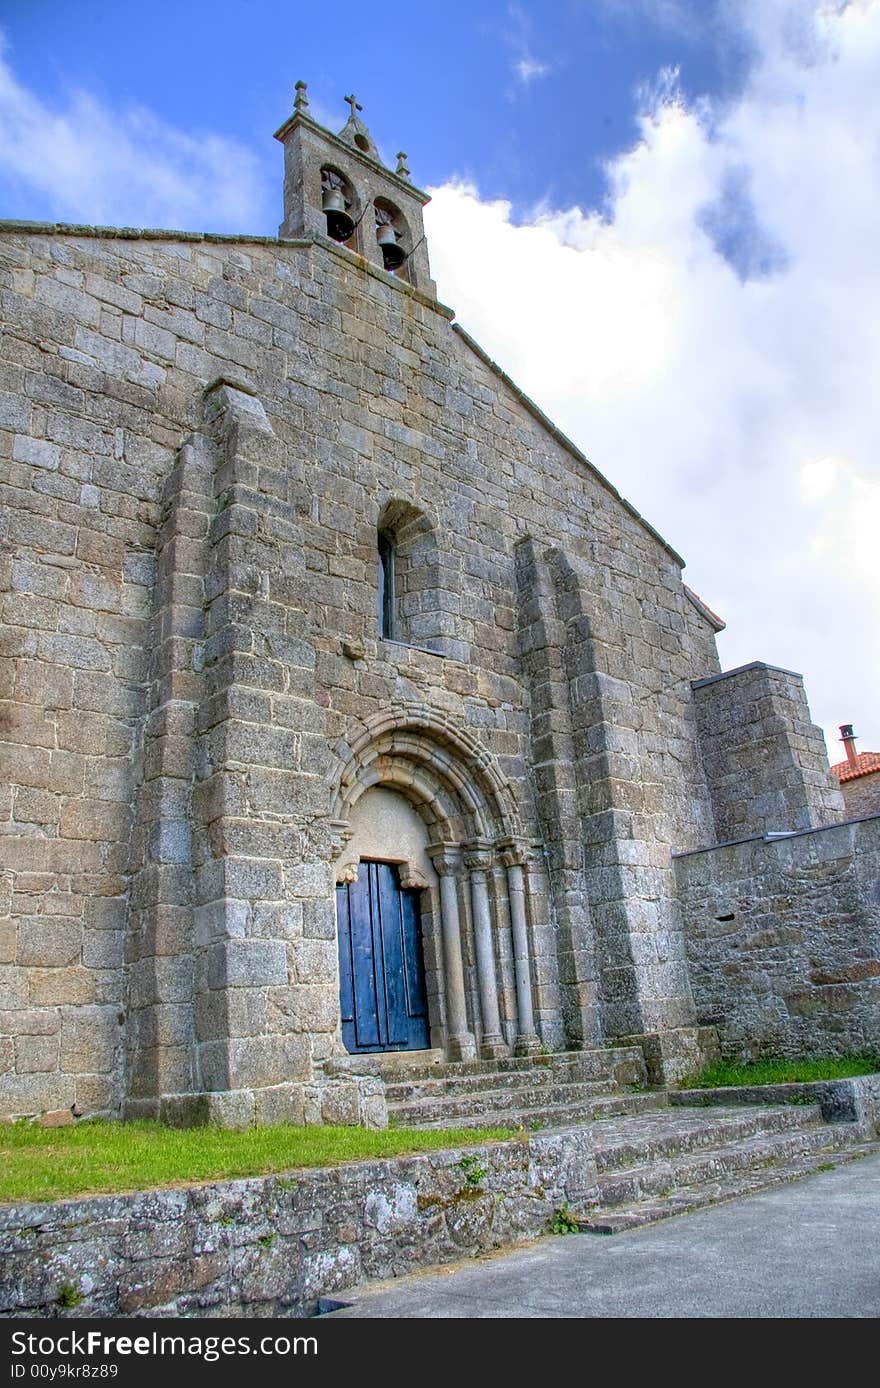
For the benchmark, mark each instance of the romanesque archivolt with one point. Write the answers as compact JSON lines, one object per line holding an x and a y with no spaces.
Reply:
{"x":439,"y":766}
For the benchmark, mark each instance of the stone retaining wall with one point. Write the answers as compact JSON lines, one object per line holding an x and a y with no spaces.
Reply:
{"x":783,"y":940}
{"x":272,"y":1245}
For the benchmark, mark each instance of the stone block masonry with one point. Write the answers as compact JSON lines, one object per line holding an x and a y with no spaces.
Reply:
{"x":765,"y":759}
{"x":783,"y":941}
{"x":198,"y":440}
{"x":861,"y":796}
{"x":272,"y":1245}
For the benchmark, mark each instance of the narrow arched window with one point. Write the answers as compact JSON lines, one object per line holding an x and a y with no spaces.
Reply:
{"x":418,"y":604}
{"x":386,"y":586}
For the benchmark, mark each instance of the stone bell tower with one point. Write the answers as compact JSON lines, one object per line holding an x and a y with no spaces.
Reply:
{"x":336,"y":186}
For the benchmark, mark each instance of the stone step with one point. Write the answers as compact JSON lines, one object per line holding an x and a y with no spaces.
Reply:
{"x":559,"y":1115}
{"x":734,"y":1185}
{"x":664,"y":1135}
{"x":625,"y":1063}
{"x":663,"y":1176}
{"x":474,"y":1102}
{"x":565,"y":1071}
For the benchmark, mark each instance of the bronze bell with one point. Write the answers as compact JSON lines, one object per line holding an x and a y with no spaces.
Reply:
{"x":339,"y":225}
{"x":392,"y":253}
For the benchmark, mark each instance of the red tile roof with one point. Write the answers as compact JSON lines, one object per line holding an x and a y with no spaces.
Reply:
{"x":704,"y":609}
{"x":866,"y":762}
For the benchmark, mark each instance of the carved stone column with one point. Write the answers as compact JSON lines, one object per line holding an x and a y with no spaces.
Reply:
{"x":527,"y":1040}
{"x":460,"y":1041}
{"x":478,"y":860}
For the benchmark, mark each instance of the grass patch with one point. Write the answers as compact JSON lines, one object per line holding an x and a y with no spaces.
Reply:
{"x":725,"y":1074}
{"x":102,"y":1157}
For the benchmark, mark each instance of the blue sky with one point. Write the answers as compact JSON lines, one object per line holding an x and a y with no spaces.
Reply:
{"x":527,"y":100}
{"x":660,"y":216}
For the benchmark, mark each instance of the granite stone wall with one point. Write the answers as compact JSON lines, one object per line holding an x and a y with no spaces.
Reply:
{"x":783,"y":941}
{"x":861,"y":796}
{"x":190,"y":647}
{"x":765,"y":760}
{"x":273,"y":1245}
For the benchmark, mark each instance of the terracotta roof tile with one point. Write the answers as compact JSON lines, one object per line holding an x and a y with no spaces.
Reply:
{"x":704,"y":609}
{"x":866,"y":762}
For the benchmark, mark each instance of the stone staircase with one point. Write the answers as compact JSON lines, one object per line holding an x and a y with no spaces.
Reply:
{"x":530,"y":1092}
{"x":653,"y":1159}
{"x":675,"y":1160}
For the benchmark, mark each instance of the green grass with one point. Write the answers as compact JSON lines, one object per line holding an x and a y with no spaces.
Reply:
{"x":101,"y":1157}
{"x":724,"y":1074}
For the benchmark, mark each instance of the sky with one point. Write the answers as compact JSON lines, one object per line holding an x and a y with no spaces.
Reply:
{"x":659,"y":216}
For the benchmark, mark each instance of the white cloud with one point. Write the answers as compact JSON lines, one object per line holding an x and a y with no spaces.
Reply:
{"x":711,"y":342}
{"x":517,"y":36}
{"x":527,"y":69}
{"x":88,"y":163}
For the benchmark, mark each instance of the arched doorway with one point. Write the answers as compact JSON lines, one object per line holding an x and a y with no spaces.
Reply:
{"x":454,"y":837}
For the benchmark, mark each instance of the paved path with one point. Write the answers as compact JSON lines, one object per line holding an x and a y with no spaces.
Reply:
{"x":810,"y":1249}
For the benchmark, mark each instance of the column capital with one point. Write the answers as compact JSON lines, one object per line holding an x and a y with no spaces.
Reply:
{"x":446,"y":858}
{"x":514,"y":852}
{"x":479,"y":855}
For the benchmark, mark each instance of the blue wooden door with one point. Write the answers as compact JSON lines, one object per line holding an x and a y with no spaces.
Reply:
{"x":381,"y":971}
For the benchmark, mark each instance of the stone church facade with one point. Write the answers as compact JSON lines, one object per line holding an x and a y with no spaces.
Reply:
{"x":348,"y":709}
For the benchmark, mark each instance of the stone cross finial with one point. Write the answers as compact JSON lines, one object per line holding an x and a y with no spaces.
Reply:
{"x":302,"y":100}
{"x":355,"y":105}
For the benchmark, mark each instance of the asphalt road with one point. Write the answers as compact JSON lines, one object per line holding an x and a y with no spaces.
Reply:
{"x":810,"y":1249}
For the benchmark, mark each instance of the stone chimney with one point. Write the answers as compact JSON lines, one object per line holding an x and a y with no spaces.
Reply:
{"x":848,"y":738}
